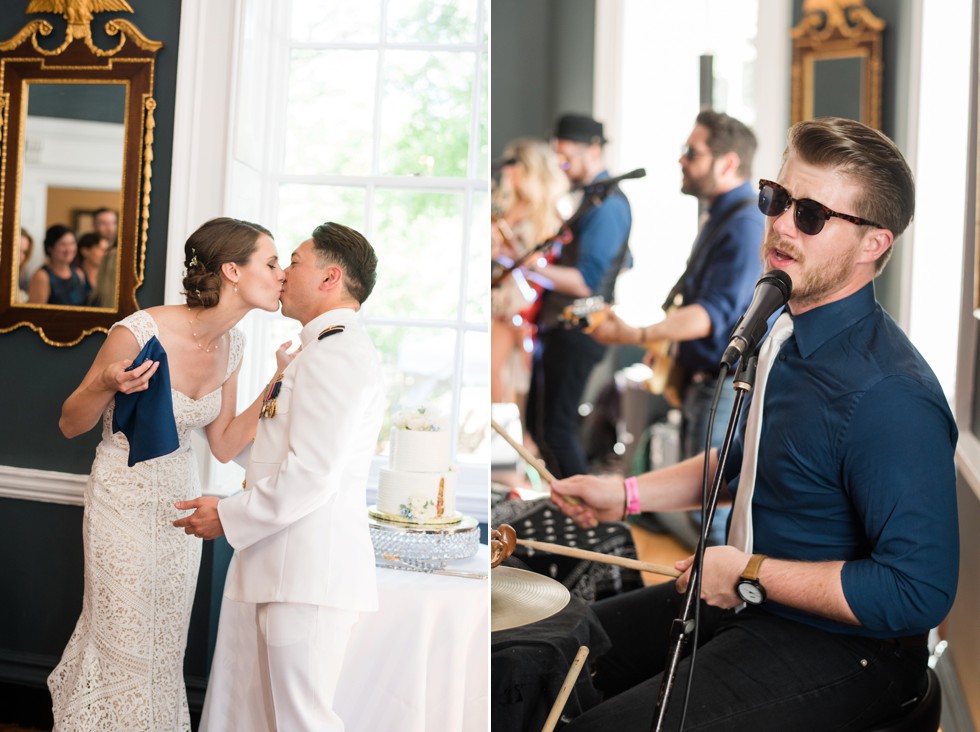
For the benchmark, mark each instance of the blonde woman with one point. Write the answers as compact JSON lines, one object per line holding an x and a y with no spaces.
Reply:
{"x":526,"y":214}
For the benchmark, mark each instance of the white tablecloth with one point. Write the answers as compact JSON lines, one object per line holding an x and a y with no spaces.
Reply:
{"x":421,"y":663}
{"x":418,"y":664}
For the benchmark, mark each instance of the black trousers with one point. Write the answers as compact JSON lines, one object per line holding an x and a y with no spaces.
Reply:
{"x":562,"y":364}
{"x":753,"y":671}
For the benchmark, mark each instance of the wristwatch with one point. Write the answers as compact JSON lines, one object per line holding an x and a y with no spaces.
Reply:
{"x":748,"y":586}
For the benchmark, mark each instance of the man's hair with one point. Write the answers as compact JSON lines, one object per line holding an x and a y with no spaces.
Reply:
{"x":726,"y":134}
{"x":869,"y":159}
{"x":100,"y":211}
{"x":341,"y":245}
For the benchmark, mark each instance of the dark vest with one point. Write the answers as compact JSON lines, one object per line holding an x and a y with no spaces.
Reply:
{"x":555,"y":302}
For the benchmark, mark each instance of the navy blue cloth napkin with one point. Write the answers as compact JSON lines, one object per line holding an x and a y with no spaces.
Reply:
{"x":147,"y":417}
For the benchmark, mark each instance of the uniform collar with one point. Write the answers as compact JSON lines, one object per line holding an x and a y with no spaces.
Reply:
{"x":815,"y":327}
{"x":312,"y":330}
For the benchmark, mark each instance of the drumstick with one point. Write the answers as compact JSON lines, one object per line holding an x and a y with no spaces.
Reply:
{"x":522,"y":451}
{"x":531,"y":460}
{"x":566,"y":689}
{"x":569,"y":551}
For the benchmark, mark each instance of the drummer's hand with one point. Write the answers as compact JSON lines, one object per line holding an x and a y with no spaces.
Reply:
{"x":609,"y":328}
{"x":601,"y":498}
{"x":723,"y":565}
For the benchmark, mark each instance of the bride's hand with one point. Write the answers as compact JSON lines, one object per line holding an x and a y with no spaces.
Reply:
{"x":115,"y":377}
{"x":283,"y":357}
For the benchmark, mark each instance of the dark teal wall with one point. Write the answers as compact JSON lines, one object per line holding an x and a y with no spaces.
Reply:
{"x":38,"y":377}
{"x":40,"y":543}
{"x":542,"y":61}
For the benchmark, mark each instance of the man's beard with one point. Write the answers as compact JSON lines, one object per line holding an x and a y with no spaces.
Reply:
{"x":812,"y":285}
{"x":701,"y":188}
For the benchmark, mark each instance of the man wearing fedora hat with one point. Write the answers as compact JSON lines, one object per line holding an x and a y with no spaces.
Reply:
{"x":587,"y":265}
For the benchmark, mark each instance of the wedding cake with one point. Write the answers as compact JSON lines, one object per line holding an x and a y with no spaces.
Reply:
{"x":419,"y":484}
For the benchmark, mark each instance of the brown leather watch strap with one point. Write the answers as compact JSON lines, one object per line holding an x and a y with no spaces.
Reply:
{"x":751,"y":571}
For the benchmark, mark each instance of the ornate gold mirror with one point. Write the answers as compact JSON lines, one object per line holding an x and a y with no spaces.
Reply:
{"x":76,"y":137}
{"x":837,"y":62}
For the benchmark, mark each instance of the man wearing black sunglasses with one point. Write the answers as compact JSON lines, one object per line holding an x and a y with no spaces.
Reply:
{"x":712,"y":293}
{"x":854,"y":546}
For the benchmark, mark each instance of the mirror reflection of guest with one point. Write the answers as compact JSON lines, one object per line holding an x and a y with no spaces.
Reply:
{"x":59,"y":281}
{"x":106,"y":222}
{"x":23,"y":264}
{"x":104,"y":294}
{"x":92,"y":249}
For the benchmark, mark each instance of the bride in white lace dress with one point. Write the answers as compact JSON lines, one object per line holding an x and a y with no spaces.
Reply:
{"x":123,"y":666}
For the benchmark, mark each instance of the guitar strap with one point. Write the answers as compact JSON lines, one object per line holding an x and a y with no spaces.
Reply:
{"x":696,"y":260}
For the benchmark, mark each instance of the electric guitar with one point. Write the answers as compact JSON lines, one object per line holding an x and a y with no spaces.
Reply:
{"x":667,"y":378}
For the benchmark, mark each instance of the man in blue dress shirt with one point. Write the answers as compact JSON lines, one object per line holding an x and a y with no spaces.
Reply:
{"x":855,"y":553}
{"x":712,"y":293}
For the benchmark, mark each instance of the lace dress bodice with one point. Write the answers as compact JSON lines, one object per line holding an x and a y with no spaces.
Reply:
{"x":190,"y":414}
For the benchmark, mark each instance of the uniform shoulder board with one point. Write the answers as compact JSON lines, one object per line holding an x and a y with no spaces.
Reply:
{"x":332,"y":330}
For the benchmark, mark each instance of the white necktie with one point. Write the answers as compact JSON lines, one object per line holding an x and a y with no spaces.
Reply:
{"x":740,"y":535}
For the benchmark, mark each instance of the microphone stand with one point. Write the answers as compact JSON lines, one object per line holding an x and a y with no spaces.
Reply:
{"x":685,"y":625}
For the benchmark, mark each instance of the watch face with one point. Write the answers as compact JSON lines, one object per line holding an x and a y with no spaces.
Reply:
{"x":750,"y":592}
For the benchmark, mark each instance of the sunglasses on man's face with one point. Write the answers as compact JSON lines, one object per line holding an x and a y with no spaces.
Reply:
{"x":809,"y":216}
{"x":691,"y":154}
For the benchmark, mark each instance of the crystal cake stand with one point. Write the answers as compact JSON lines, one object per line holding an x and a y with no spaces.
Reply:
{"x":426,"y":546}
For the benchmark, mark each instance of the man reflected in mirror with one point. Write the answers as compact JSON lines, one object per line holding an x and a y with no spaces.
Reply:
{"x":106,"y":222}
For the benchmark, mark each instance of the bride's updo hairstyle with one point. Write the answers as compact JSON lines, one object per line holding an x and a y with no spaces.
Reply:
{"x":215,"y":243}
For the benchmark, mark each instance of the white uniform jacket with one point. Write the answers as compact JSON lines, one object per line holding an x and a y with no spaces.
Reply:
{"x":300,"y":529}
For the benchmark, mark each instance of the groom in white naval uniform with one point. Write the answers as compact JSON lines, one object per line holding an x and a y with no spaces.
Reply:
{"x":303,"y":554}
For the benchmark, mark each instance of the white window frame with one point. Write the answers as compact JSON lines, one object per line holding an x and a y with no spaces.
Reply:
{"x":211,"y":42}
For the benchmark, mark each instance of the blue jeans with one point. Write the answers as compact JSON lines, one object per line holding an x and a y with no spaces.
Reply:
{"x":754,"y":671}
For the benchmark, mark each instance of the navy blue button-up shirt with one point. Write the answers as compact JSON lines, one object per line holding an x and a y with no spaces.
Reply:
{"x":856,"y":464}
{"x":722,"y":279}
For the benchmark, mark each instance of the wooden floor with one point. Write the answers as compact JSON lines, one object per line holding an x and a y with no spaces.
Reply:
{"x":657,"y":549}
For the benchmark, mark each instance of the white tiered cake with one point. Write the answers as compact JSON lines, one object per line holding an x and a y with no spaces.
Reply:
{"x":419,"y":486}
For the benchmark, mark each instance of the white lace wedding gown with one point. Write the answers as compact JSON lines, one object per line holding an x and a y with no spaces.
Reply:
{"x":123,"y":667}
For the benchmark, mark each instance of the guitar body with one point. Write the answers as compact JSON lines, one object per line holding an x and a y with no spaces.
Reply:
{"x":667,"y":378}
{"x":531,"y":312}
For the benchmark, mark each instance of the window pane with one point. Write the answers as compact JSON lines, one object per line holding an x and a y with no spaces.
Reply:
{"x":425,"y":127}
{"x":474,"y":401}
{"x":418,"y":237}
{"x":302,"y":208}
{"x":253,"y":69}
{"x":432,"y":21}
{"x":331,"y":112}
{"x":483,"y":146}
{"x":324,"y":21}
{"x":477,"y":274}
{"x":418,"y":369}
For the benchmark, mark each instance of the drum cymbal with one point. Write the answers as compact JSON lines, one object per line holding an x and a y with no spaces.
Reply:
{"x":519,"y":597}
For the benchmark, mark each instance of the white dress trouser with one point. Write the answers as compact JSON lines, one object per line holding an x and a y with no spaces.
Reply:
{"x":301,"y":652}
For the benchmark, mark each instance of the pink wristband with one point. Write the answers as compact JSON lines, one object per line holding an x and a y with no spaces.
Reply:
{"x":632,"y":496}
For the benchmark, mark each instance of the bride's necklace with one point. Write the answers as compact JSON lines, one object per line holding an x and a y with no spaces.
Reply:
{"x":200,"y":346}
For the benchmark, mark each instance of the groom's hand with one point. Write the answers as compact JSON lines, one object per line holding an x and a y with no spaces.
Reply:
{"x":204,"y":523}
